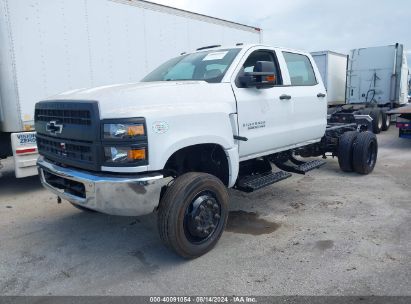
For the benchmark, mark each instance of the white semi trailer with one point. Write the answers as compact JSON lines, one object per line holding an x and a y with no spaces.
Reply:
{"x":378,"y":75}
{"x":374,"y":81}
{"x":333,"y":70}
{"x":47,"y":47}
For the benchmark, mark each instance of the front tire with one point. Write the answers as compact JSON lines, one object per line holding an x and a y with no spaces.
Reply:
{"x":365,"y":152}
{"x":193,"y":213}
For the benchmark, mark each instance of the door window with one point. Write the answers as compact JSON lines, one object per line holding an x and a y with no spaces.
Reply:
{"x":250,"y":63}
{"x":300,"y":69}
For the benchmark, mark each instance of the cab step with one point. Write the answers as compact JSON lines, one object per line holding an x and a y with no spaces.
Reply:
{"x":298,"y":166}
{"x":254,"y":182}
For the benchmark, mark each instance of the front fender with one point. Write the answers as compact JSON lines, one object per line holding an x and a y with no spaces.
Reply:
{"x":189,"y":130}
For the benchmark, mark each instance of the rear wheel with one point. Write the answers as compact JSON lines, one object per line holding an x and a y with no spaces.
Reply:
{"x":386,"y":121}
{"x":345,"y":150}
{"x":365,"y":152}
{"x":193,"y":213}
{"x":377,"y":121}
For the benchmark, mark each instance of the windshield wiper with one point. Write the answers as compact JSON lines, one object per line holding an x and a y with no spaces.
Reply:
{"x":168,"y":79}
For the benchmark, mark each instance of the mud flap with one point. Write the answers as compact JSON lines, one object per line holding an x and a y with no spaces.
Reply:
{"x":25,"y":153}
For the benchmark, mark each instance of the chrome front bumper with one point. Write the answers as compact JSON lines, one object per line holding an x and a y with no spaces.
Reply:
{"x":127,"y":196}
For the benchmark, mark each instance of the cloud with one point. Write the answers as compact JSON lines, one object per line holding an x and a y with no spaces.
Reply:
{"x":315,"y":24}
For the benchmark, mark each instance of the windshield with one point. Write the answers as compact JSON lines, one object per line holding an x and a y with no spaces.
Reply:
{"x":209,"y":66}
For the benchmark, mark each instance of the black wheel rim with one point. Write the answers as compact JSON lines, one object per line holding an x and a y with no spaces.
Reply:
{"x":202,"y":217}
{"x":372,"y":153}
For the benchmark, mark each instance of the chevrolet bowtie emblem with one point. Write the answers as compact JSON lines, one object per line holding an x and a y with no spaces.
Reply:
{"x":54,"y":128}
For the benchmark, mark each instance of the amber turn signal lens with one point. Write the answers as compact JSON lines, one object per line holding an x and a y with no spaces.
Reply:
{"x":136,"y":154}
{"x":135,"y":130}
{"x":270,"y":78}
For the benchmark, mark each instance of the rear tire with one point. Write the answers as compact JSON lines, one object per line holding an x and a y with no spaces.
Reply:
{"x":365,"y":151}
{"x":345,"y":150}
{"x":192,"y":214}
{"x":386,"y":121}
{"x":377,"y":121}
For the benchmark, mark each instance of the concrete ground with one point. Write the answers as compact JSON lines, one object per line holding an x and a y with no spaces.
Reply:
{"x":326,"y":233}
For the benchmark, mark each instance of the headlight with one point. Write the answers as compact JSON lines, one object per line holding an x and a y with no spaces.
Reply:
{"x":123,"y":131}
{"x":124,"y":155}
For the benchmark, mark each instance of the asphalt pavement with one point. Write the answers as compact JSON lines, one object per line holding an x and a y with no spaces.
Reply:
{"x":325,"y":233}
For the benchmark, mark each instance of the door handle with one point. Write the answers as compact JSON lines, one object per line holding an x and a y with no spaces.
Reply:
{"x":285,"y":97}
{"x":321,"y":95}
{"x":240,"y":138}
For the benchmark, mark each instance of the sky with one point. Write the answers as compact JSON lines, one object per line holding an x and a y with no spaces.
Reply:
{"x":315,"y":25}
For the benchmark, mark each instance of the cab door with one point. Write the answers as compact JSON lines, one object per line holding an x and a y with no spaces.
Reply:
{"x":263,"y":114}
{"x":308,"y":98}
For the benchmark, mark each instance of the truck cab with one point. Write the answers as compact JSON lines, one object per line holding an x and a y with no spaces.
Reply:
{"x":216,"y":118}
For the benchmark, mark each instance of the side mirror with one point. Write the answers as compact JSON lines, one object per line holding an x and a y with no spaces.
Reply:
{"x":262,"y":77}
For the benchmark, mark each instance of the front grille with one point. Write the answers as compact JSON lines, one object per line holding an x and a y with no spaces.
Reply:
{"x":77,"y":142}
{"x":77,"y":117}
{"x":80,"y":152}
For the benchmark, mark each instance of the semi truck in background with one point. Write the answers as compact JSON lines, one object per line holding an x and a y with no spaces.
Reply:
{"x":374,"y":81}
{"x":48,"y":47}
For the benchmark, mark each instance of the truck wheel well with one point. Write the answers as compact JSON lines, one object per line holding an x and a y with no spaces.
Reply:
{"x":207,"y":158}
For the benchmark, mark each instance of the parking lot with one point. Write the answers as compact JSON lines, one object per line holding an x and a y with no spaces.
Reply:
{"x":325,"y":233}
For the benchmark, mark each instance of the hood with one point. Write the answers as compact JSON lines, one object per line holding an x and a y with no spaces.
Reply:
{"x":145,"y":98}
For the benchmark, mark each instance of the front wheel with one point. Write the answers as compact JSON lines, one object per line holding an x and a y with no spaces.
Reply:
{"x":193,"y":213}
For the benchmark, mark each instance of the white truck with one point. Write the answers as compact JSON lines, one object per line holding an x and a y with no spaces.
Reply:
{"x":200,"y":123}
{"x":370,"y":81}
{"x":48,"y":47}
